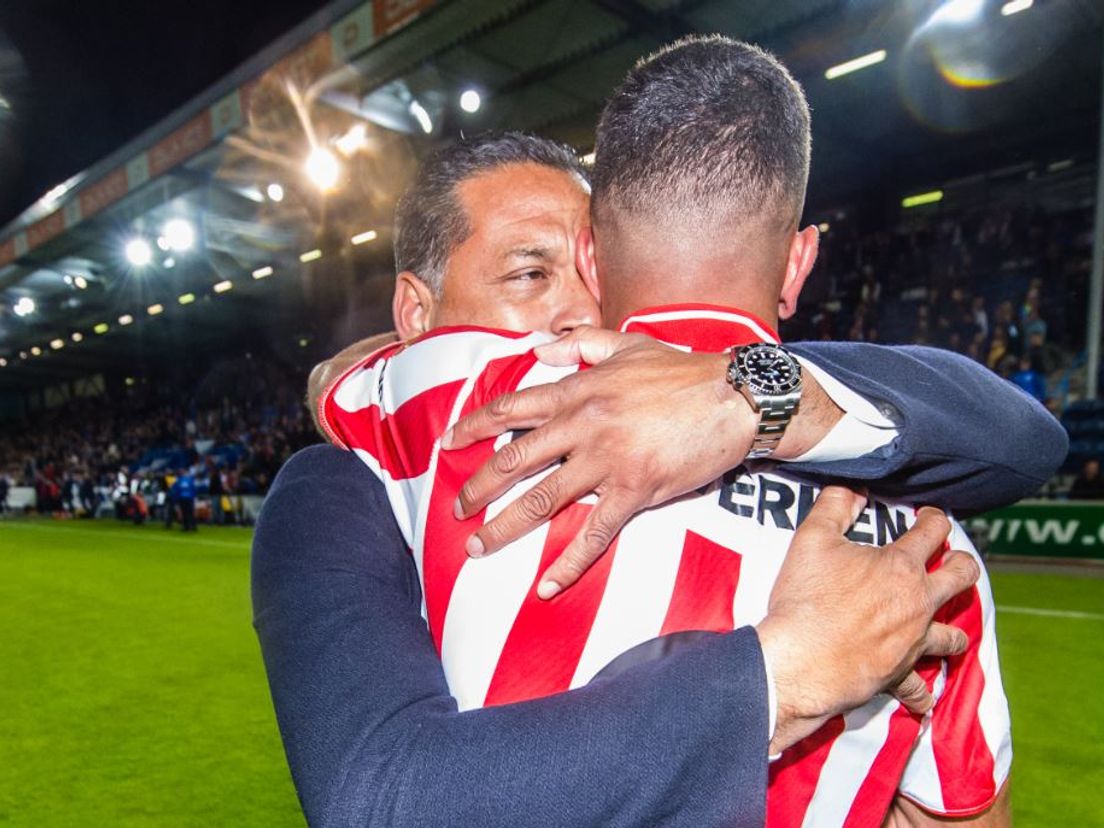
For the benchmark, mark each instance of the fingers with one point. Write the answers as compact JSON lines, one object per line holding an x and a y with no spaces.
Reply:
{"x":913,"y":693}
{"x":512,"y":463}
{"x":583,"y":344}
{"x":538,"y":505}
{"x":958,"y":572}
{"x":944,"y":640}
{"x":598,"y":532}
{"x":835,"y":510}
{"x":926,"y":537}
{"x":521,"y":409}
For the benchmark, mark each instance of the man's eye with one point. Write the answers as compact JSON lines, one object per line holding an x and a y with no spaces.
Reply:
{"x":529,"y":275}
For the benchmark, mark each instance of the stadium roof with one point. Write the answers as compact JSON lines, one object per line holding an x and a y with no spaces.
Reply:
{"x":961,"y":88}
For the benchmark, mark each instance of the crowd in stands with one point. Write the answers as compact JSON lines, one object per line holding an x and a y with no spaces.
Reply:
{"x":146,"y":451}
{"x":1007,"y":288}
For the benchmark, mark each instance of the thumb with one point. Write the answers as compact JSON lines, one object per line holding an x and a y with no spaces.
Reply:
{"x":584,"y":344}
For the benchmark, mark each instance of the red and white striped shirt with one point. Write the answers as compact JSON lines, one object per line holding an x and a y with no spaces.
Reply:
{"x":707,"y":561}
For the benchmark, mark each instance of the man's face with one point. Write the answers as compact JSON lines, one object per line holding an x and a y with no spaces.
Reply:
{"x":517,"y":269}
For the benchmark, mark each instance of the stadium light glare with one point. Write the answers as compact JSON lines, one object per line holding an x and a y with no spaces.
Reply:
{"x":68,"y":280}
{"x":470,"y":101}
{"x":303,"y":342}
{"x":169,"y":263}
{"x":162,"y":243}
{"x":824,"y":227}
{"x":1016,"y":6}
{"x":223,"y":286}
{"x":310,"y":256}
{"x":353,"y":141}
{"x":36,"y":351}
{"x":855,"y":64}
{"x":24,"y":307}
{"x":275,"y":192}
{"x":920,"y":199}
{"x":588,"y":159}
{"x":125,"y":319}
{"x":138,"y":252}
{"x":57,"y":344}
{"x":80,"y":283}
{"x":362,"y":238}
{"x":422,"y":117}
{"x":101,"y":328}
{"x":77,"y":336}
{"x":959,"y":11}
{"x":1058,"y":166}
{"x":186,"y":299}
{"x":179,"y":234}
{"x":3,"y":363}
{"x":22,"y":354}
{"x":154,"y":310}
{"x":323,"y":168}
{"x":262,"y":272}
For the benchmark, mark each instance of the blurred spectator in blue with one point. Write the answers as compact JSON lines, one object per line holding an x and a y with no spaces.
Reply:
{"x":184,"y":493}
{"x":1030,"y":380}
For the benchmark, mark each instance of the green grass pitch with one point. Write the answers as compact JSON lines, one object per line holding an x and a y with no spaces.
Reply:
{"x":132,"y":691}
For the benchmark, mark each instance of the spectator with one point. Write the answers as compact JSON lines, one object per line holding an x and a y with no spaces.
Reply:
{"x":1089,"y":485}
{"x":1030,"y":380}
{"x":184,"y":495}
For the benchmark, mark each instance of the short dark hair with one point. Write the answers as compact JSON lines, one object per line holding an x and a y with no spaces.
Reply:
{"x":706,"y":123}
{"x":430,"y":220}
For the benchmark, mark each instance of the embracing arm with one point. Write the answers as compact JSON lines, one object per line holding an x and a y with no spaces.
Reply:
{"x":373,"y":737}
{"x":967,"y":440}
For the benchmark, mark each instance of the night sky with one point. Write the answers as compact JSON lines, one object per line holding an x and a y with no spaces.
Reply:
{"x":83,"y":78}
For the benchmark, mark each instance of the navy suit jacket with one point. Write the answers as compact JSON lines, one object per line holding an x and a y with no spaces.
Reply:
{"x":373,"y":737}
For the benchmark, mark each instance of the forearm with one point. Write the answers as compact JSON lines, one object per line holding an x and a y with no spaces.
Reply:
{"x":968,"y":441}
{"x":373,"y":737}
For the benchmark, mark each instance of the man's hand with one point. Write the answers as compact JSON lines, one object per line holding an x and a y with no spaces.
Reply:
{"x":846,"y":621}
{"x":646,"y":424}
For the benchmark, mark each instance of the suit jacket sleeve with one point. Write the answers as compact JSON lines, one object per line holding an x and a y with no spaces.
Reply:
{"x":968,"y":440}
{"x":373,"y":737}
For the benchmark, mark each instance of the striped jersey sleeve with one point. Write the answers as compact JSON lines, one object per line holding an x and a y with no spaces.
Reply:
{"x":963,"y":754}
{"x":392,"y":407}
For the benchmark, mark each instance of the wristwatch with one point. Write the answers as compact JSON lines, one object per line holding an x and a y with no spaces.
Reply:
{"x":769,"y":378}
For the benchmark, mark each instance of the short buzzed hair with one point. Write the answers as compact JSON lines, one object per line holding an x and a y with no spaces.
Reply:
{"x":430,"y":221}
{"x":706,"y":125}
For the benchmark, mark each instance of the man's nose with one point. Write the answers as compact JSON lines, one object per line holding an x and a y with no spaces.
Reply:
{"x":579,"y":309}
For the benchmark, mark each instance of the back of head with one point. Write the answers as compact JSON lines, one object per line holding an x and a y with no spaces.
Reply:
{"x":707,"y":137}
{"x":430,"y":221}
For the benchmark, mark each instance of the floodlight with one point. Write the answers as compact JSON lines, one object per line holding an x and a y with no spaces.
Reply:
{"x":470,"y":100}
{"x":186,"y":299}
{"x":588,"y":159}
{"x":353,"y":141}
{"x":3,"y":363}
{"x":366,"y":236}
{"x":57,"y":344}
{"x":959,"y":11}
{"x":80,"y":283}
{"x":922,"y":198}
{"x":421,"y":116}
{"x":1015,"y":6}
{"x":125,"y":319}
{"x":323,"y":168}
{"x":223,"y":286}
{"x":138,"y":252}
{"x":855,"y":64}
{"x":101,"y":328}
{"x":77,"y":336}
{"x":154,"y":310}
{"x":179,"y":234}
{"x":169,"y":263}
{"x":275,"y":192}
{"x":36,"y":351}
{"x":262,"y":272}
{"x":24,"y":307}
{"x":310,"y":255}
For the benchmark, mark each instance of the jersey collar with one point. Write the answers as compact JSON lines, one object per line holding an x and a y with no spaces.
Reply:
{"x":699,"y":327}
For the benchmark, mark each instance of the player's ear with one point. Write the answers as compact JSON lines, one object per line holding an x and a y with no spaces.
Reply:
{"x":584,"y":262}
{"x":802,"y":257}
{"x":412,"y":306}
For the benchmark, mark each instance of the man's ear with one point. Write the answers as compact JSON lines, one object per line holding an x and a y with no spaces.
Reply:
{"x":412,"y":306}
{"x":803,"y":253}
{"x":584,"y":262}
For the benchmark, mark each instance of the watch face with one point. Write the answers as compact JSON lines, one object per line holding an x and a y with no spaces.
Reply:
{"x":768,"y":369}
